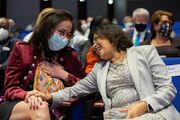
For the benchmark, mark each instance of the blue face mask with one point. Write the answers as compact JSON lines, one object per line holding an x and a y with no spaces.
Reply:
{"x":57,"y":42}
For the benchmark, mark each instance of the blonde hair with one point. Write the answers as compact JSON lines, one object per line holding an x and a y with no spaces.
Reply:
{"x":42,"y":13}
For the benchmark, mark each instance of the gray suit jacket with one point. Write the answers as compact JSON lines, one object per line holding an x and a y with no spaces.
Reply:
{"x":150,"y":77}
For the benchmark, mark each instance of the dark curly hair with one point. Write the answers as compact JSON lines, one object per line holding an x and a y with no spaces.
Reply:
{"x":117,"y":37}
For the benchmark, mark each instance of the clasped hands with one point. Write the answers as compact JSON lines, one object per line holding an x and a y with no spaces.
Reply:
{"x":35,"y":98}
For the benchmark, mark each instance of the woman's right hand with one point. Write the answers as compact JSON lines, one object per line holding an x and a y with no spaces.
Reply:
{"x":34,"y":102}
{"x":29,"y":94}
{"x":55,"y":70}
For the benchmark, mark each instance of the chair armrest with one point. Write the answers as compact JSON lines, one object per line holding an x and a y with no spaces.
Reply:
{"x":71,"y":102}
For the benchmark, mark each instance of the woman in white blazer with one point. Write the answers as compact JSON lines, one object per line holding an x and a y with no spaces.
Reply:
{"x":133,"y":81}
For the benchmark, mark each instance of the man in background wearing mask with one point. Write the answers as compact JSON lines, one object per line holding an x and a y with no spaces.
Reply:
{"x":140,"y":32}
{"x":6,"y":44}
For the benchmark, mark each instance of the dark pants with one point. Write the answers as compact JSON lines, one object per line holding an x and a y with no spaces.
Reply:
{"x":6,"y":108}
{"x":2,"y":76}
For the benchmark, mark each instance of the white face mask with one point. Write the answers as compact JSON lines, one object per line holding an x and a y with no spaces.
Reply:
{"x":128,"y":25}
{"x":3,"y":34}
{"x":57,"y":42}
{"x":84,"y":27}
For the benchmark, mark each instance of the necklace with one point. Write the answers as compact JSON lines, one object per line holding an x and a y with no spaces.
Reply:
{"x":158,"y":42}
{"x":120,"y":59}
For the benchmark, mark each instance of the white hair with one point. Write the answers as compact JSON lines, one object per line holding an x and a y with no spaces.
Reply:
{"x":141,"y":12}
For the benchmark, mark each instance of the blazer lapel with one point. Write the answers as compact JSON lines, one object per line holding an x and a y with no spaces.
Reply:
{"x":102,"y":77}
{"x":102,"y":74}
{"x":133,"y":68}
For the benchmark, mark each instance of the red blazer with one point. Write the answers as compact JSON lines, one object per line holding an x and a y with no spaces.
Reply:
{"x":22,"y":66}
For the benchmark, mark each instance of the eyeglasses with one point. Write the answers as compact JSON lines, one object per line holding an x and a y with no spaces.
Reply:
{"x":64,"y":33}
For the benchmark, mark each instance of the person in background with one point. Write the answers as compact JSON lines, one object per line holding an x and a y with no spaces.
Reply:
{"x":128,"y":23}
{"x":89,"y":20}
{"x":140,"y":33}
{"x":40,"y":15}
{"x":128,"y":91}
{"x":115,"y":20}
{"x":80,"y":36}
{"x":48,"y":46}
{"x":161,"y":30}
{"x":88,"y":57}
{"x":7,"y":42}
{"x":12,"y":24}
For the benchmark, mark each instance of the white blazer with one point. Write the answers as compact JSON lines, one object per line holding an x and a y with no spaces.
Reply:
{"x":150,"y":77}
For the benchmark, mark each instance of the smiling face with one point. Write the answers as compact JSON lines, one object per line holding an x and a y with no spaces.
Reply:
{"x":110,"y":41}
{"x":103,"y":48}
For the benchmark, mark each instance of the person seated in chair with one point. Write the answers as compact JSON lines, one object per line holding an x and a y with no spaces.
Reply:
{"x":133,"y":81}
{"x":140,"y":32}
{"x":7,"y":41}
{"x":48,"y":46}
{"x":161,"y":30}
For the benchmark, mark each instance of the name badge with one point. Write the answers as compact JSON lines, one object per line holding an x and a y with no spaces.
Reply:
{"x":174,"y":70}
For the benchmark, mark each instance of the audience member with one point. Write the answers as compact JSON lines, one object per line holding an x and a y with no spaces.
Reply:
{"x":12,"y":24}
{"x":7,"y":42}
{"x":88,"y":57}
{"x":89,"y":20}
{"x":128,"y":23}
{"x":140,"y":33}
{"x":115,"y":21}
{"x":161,"y":29}
{"x":47,"y":47}
{"x":133,"y":81}
{"x":80,"y":36}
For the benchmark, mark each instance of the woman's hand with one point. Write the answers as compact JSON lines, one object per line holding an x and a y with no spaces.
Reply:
{"x":45,"y":97}
{"x":55,"y":70}
{"x":135,"y":110}
{"x":34,"y":102}
{"x":29,"y":94}
{"x":35,"y":98}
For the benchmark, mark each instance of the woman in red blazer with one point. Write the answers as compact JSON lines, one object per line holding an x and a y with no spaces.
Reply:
{"x":47,"y":46}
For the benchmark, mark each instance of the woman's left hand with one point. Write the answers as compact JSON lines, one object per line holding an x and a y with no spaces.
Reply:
{"x":135,"y":110}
